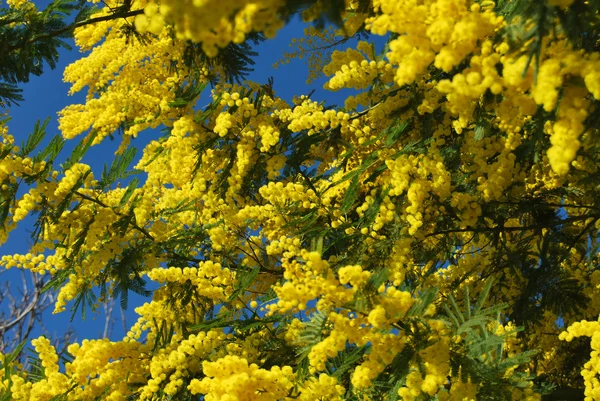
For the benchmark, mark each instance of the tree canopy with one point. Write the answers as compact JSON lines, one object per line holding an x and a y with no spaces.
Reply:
{"x":433,"y":238}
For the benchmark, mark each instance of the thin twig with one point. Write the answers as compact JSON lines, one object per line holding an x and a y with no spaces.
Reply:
{"x":72,"y":27}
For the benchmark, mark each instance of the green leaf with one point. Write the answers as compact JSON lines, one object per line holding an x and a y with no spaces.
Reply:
{"x":479,"y":132}
{"x":36,"y":137}
{"x":345,"y":361}
{"x":457,"y":311}
{"x":52,"y":150}
{"x":483,"y":296}
{"x":425,"y":299}
{"x":395,"y":131}
{"x":351,"y":194}
{"x":85,"y":298}
{"x":133,"y":185}
{"x":118,"y":167}
{"x":245,"y":277}
{"x":312,"y":334}
{"x":451,"y":315}
{"x":187,"y":94}
{"x":5,"y":150}
{"x":157,"y":152}
{"x":80,"y":150}
{"x":479,"y":321}
{"x":66,"y":202}
{"x":10,"y":94}
{"x":467,"y":303}
{"x":11,"y":357}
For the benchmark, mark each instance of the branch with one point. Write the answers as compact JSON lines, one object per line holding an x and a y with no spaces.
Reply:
{"x":565,"y":393}
{"x":509,"y":229}
{"x":108,"y":321}
{"x":72,"y":27}
{"x":560,"y":205}
{"x":21,"y":315}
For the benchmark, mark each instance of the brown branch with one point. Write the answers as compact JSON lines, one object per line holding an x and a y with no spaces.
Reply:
{"x":563,"y":205}
{"x":256,"y":258}
{"x":510,"y":229}
{"x":108,"y":323}
{"x":25,"y":311}
{"x":17,"y":319}
{"x":484,"y":230}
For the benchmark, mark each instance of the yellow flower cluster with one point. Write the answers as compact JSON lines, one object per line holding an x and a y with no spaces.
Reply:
{"x":442,"y":32}
{"x":309,"y":115}
{"x":279,"y":194}
{"x":353,"y":275}
{"x":324,"y":387}
{"x":119,"y":93}
{"x":493,"y":177}
{"x":27,"y":261}
{"x":14,"y":168}
{"x":434,"y":359}
{"x":307,"y":279}
{"x":227,"y":214}
{"x":466,"y":88}
{"x":233,"y":378}
{"x":173,"y":365}
{"x":565,"y":133}
{"x":208,"y":278}
{"x":215,"y":24}
{"x":54,"y":383}
{"x":591,"y":369}
{"x":21,"y":4}
{"x":274,"y":166}
{"x":328,"y":348}
{"x":353,"y":69}
{"x":419,"y":177}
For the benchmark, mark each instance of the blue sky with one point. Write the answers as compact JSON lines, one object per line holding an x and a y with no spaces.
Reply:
{"x":47,"y":94}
